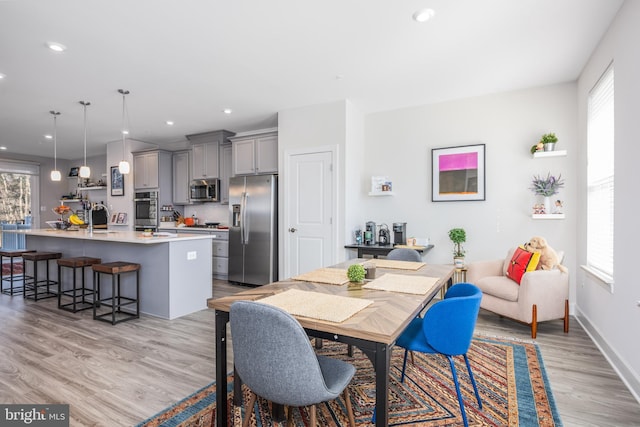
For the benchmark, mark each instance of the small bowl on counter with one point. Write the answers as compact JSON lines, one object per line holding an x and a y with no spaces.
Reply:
{"x":58,"y":225}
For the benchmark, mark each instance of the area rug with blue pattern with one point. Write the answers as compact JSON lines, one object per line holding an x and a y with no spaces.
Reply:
{"x":510,"y":375}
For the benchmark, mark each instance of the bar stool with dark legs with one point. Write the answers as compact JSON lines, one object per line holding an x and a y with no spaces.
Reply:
{"x":33,"y":285}
{"x":78,"y":292}
{"x":116,"y":301}
{"x":12,"y":254}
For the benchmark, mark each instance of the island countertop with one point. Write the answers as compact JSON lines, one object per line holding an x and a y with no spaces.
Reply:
{"x":175,"y":274}
{"x":112,"y":236}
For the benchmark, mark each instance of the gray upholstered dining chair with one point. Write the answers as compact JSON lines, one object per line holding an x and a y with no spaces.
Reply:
{"x":404,"y":254}
{"x":274,"y":358}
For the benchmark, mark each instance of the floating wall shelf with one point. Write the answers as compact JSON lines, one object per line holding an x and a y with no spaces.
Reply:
{"x":97,"y":187}
{"x":381,"y":193}
{"x":547,"y":216}
{"x":555,"y":153}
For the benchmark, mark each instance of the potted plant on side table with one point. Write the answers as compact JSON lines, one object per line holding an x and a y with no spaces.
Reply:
{"x":458,"y":236}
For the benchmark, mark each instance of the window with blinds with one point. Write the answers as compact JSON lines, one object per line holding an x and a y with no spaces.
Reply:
{"x":600,"y":177}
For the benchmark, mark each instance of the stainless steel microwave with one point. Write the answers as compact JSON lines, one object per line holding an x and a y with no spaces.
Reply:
{"x":205,"y":190}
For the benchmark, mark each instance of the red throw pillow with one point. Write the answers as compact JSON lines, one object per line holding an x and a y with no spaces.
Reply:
{"x":521,"y":262}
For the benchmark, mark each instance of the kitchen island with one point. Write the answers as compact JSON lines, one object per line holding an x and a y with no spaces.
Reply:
{"x":175,"y":273}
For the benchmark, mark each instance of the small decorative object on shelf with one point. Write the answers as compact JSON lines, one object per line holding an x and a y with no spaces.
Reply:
{"x":547,"y":143}
{"x":381,"y":186}
{"x":557,"y":208}
{"x":546,"y":187}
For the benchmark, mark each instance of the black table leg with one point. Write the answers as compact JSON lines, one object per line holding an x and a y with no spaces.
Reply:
{"x":382,"y":364}
{"x":380,"y":356}
{"x":222,"y":318}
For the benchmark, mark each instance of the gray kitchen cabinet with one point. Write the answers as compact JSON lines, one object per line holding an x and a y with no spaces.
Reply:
{"x":145,"y":171}
{"x":255,"y":153}
{"x":147,"y":166}
{"x":205,"y":153}
{"x":225,"y":172}
{"x":220,"y":254}
{"x":219,"y":246}
{"x":181,"y":177}
{"x":204,"y":161}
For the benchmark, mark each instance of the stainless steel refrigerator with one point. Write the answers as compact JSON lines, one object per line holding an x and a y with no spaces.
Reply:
{"x":253,"y":229}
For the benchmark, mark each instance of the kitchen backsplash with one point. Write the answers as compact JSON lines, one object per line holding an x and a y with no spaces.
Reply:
{"x":207,"y":212}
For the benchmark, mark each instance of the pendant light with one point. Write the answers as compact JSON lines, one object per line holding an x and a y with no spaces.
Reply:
{"x":85,"y":172}
{"x":55,"y":173}
{"x":123,"y":166}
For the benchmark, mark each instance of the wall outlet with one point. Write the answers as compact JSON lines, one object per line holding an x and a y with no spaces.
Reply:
{"x":192,"y":255}
{"x":43,"y":208}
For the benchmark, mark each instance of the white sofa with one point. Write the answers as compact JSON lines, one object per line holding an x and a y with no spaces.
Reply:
{"x":541,"y":295}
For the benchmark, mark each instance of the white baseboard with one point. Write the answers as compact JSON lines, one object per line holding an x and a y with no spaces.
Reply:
{"x":626,"y":375}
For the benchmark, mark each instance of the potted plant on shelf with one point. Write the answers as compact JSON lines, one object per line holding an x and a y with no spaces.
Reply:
{"x":458,"y":236}
{"x":546,"y":187}
{"x":549,"y":140}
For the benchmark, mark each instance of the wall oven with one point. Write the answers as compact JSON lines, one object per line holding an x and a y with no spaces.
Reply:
{"x":146,"y":210}
{"x":205,"y":190}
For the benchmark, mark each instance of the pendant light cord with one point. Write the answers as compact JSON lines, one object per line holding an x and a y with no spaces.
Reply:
{"x":124,"y":94}
{"x":85,"y":133}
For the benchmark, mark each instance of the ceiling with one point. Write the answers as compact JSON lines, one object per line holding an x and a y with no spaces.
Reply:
{"x":187,"y":60}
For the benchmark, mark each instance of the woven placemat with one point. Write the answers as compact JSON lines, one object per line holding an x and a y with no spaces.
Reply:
{"x":417,"y":285}
{"x":398,"y":265}
{"x":409,"y":247}
{"x":316,"y":305}
{"x":331,"y":276}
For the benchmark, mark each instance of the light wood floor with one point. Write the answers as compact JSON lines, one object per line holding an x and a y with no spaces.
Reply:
{"x":119,"y":376}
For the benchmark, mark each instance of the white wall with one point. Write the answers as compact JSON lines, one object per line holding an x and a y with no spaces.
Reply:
{"x":322,"y":125}
{"x":613,"y":318}
{"x":399,"y":144}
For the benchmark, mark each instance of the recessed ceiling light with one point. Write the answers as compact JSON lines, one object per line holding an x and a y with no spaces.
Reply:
{"x":48,"y":136}
{"x":227,"y":111}
{"x":423,"y":15}
{"x":2,"y":147}
{"x":56,"y":47}
{"x":125,"y":132}
{"x":2,"y":76}
{"x":169,"y":122}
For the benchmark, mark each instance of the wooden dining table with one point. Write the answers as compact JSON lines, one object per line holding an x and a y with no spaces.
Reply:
{"x":373,"y":330}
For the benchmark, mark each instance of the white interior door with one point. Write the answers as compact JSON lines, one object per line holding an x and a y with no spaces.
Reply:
{"x":309,"y":204}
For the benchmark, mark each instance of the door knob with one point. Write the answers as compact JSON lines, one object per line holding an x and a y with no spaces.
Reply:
{"x":292,"y":230}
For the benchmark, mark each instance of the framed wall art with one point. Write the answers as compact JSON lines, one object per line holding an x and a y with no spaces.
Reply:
{"x":117,"y":182}
{"x":458,"y":173}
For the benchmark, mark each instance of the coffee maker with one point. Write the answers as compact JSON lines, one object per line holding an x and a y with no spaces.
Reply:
{"x":370,"y":233}
{"x":383,"y":236}
{"x":399,"y":233}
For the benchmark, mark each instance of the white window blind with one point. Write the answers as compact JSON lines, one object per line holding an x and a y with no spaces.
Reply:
{"x":600,"y":175}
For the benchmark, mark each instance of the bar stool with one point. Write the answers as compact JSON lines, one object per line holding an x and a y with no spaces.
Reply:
{"x":78,"y":291}
{"x":31,"y":283}
{"x":12,"y":254}
{"x":116,"y":301}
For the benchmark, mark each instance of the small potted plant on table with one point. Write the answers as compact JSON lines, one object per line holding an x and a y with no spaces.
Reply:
{"x":458,"y":236}
{"x":355,"y":274}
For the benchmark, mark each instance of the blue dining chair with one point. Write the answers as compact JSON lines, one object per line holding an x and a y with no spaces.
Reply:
{"x":447,"y":329}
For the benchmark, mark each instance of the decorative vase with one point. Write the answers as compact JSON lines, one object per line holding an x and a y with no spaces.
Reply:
{"x":458,"y":261}
{"x":547,"y":205}
{"x":549,"y":146}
